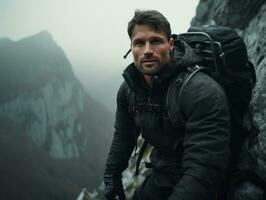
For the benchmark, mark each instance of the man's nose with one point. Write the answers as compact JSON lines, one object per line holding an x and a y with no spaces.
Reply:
{"x":148,"y":49}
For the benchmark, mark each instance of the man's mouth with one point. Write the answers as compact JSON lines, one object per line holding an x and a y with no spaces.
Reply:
{"x":149,"y":61}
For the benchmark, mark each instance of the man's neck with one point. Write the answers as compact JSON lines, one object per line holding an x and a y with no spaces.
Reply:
{"x":148,"y":80}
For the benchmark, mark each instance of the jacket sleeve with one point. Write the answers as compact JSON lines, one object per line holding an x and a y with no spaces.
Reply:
{"x":124,"y":137}
{"x":206,"y":139}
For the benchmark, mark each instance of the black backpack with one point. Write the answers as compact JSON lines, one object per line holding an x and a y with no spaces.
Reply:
{"x":224,"y":58}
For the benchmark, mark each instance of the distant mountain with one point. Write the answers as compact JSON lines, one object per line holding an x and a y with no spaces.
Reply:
{"x":29,"y":63}
{"x":54,"y":137}
{"x":4,"y":42}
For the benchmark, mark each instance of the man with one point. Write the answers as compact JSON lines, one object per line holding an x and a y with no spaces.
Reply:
{"x":188,"y":162}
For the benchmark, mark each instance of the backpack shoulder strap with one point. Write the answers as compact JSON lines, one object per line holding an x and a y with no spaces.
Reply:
{"x":131,"y":101}
{"x":174,"y":94}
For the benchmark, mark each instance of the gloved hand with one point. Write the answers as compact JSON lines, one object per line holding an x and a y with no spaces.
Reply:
{"x":113,"y":188}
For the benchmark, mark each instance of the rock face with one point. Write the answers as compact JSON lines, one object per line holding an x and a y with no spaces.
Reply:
{"x":60,"y":128}
{"x":248,"y":17}
{"x":236,"y":14}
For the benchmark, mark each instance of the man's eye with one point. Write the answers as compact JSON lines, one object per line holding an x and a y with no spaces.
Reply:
{"x":156,"y":41}
{"x":139,"y":43}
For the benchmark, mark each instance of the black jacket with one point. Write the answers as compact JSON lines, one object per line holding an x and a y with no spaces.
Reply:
{"x":198,"y":151}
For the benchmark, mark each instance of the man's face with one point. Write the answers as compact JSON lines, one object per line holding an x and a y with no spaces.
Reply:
{"x":150,"y":49}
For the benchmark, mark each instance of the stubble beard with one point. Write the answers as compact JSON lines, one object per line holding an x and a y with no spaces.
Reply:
{"x":152,"y":70}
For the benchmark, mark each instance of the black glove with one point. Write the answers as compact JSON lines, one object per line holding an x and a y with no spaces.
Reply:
{"x":113,"y":188}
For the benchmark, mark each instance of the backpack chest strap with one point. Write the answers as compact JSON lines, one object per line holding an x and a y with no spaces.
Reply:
{"x":147,"y":107}
{"x":136,"y":105}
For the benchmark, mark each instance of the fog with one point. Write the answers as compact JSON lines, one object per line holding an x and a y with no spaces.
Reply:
{"x":92,"y":33}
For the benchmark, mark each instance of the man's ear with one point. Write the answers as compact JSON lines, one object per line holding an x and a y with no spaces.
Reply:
{"x":171,"y":42}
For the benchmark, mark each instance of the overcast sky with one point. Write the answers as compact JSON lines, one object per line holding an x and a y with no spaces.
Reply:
{"x":92,"y":33}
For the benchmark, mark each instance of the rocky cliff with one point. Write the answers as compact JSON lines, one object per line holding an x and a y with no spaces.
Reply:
{"x":52,"y":133}
{"x":248,"y":17}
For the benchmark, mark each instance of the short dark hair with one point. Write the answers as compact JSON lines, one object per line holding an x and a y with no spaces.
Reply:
{"x":151,"y":18}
